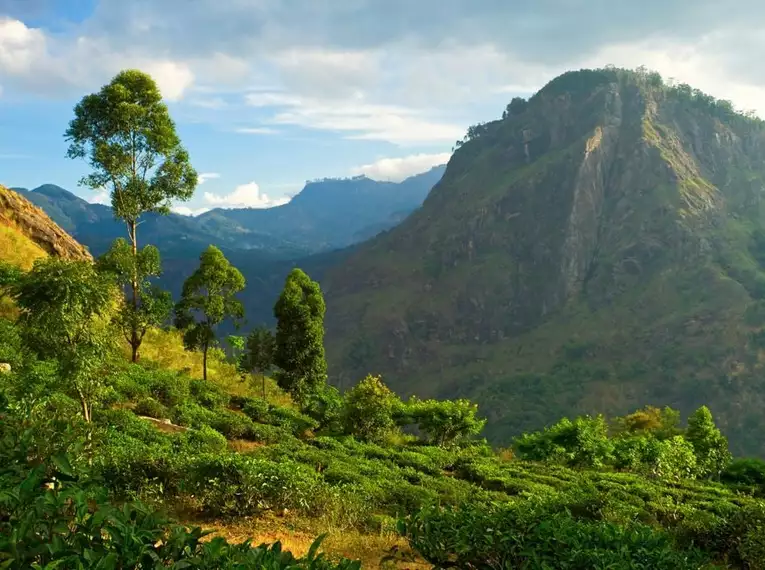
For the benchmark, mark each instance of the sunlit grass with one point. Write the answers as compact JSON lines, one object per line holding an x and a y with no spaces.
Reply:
{"x":297,"y":535}
{"x":165,"y":347}
{"x":18,"y":249}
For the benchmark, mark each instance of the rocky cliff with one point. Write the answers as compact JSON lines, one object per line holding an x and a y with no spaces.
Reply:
{"x":30,"y":233}
{"x":599,"y":248}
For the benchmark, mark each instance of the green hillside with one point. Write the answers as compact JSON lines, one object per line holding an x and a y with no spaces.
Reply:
{"x":597,"y":249}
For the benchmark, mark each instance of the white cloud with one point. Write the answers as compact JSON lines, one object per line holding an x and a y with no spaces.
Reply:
{"x":100,"y":197}
{"x":398,"y":169}
{"x":257,"y":131}
{"x":245,"y":196}
{"x":186,"y":211}
{"x":205,"y":176}
{"x":173,"y":78}
{"x":20,"y":46}
{"x":358,"y":119}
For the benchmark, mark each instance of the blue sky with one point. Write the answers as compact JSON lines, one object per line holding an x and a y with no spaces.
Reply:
{"x":269,"y":93}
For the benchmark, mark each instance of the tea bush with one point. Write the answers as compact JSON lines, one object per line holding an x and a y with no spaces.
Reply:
{"x":234,"y":484}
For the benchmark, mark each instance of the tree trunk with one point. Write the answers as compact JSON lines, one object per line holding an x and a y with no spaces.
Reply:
{"x":85,"y":409}
{"x":204,"y":362}
{"x":135,"y":340}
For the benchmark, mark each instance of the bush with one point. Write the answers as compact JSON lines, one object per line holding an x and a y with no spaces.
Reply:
{"x":204,"y":439}
{"x":209,"y":395}
{"x":580,"y":443}
{"x":256,"y":409}
{"x":151,"y":408}
{"x":368,"y":410}
{"x":169,"y":388}
{"x":748,"y":471}
{"x":445,"y":422}
{"x":239,"y":485}
{"x":291,"y":420}
{"x":126,"y":423}
{"x":191,"y":414}
{"x":133,"y":468}
{"x":531,"y":534}
{"x":231,"y":424}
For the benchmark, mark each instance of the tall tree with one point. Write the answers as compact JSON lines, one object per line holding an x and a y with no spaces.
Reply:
{"x":156,"y":304}
{"x":66,"y":309}
{"x":207,"y":299}
{"x":258,"y":356}
{"x":126,"y":133}
{"x":709,"y":444}
{"x":299,"y":342}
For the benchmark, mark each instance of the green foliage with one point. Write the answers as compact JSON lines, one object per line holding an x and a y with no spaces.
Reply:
{"x":9,"y":275}
{"x":65,"y":313}
{"x":709,"y":444}
{"x":151,"y":408}
{"x":662,"y":423}
{"x":536,"y":535}
{"x":258,"y":355}
{"x":51,"y":516}
{"x":581,"y":443}
{"x":325,"y":406}
{"x":749,"y":472}
{"x":151,"y":308}
{"x":369,"y":408}
{"x":207,"y":299}
{"x":516,"y":107}
{"x":445,"y":422}
{"x":299,"y":339}
{"x":239,"y":485}
{"x":128,"y":137}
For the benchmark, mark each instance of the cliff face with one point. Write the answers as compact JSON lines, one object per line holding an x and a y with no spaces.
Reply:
{"x":29,"y":227}
{"x":598,"y":251}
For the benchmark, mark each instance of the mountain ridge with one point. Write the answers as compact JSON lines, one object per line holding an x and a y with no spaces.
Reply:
{"x":317,"y":219}
{"x":558,"y":262}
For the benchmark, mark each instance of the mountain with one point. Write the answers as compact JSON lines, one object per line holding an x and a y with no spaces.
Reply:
{"x":27,"y":233}
{"x":600,"y":248}
{"x":95,"y":226}
{"x":331,"y":213}
{"x":326,"y":215}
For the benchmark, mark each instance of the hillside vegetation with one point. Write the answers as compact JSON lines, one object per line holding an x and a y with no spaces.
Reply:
{"x":120,"y":434}
{"x":597,"y":249}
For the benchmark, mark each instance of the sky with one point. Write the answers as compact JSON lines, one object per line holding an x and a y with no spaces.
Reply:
{"x":267,"y":94}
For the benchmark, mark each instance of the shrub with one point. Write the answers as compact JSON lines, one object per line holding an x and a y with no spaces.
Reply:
{"x":208,"y":394}
{"x":169,"y":388}
{"x":151,"y":408}
{"x":191,"y":414}
{"x":126,"y":423}
{"x":240,"y":485}
{"x":133,"y":468}
{"x":368,"y":409}
{"x":531,"y":534}
{"x":748,"y":471}
{"x":580,"y":443}
{"x":291,"y":420}
{"x":231,"y":424}
{"x":445,"y":422}
{"x":256,"y":409}
{"x":204,"y":439}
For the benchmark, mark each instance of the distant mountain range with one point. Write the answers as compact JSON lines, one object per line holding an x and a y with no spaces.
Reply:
{"x":327,"y":214}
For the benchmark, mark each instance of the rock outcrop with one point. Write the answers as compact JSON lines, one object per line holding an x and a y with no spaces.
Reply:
{"x":21,"y":215}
